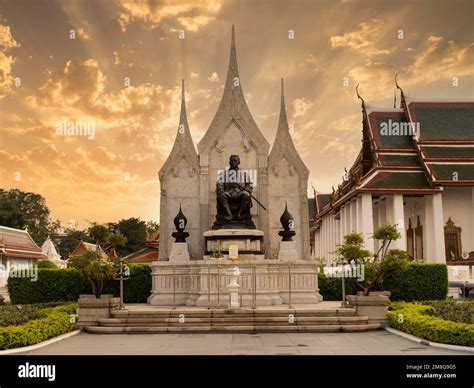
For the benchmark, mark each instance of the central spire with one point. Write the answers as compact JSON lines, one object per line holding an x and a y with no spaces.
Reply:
{"x":233,"y":108}
{"x":233,"y":70}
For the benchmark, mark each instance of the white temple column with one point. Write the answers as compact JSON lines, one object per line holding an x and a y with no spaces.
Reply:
{"x":434,"y":245}
{"x":359,"y":213}
{"x":396,"y":215}
{"x":354,"y":216}
{"x":348,"y":218}
{"x":376,"y":220}
{"x":330,"y":237}
{"x":324,"y":231}
{"x":367,"y":220}
{"x":382,"y":211}
{"x":342,"y":224}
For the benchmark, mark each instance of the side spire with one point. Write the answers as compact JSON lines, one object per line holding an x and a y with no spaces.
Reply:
{"x":283,"y":121}
{"x":183,"y":118}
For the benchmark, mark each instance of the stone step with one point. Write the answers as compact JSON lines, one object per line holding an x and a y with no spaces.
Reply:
{"x":232,"y":321}
{"x":364,"y":327}
{"x":222,"y":313}
{"x":230,"y":329}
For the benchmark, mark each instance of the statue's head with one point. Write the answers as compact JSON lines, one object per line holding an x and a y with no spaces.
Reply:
{"x":234,"y":161}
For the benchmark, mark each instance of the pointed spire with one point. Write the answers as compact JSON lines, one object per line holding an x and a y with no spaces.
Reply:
{"x":183,"y":118}
{"x":283,"y":121}
{"x":233,"y":70}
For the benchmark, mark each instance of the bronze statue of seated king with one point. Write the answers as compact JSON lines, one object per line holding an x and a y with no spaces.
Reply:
{"x":234,"y":198}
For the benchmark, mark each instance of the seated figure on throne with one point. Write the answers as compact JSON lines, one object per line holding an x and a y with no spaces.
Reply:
{"x":233,"y":189}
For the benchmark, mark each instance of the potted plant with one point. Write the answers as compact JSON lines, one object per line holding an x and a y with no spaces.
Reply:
{"x":375,"y":267}
{"x":97,"y":270}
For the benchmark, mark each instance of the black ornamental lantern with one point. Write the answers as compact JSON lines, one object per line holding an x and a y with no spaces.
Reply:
{"x":287,"y":222}
{"x":180,"y":222}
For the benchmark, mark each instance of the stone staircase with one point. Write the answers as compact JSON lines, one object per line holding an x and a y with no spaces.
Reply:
{"x":233,"y":321}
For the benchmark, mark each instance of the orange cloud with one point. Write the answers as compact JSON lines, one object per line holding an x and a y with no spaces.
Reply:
{"x":7,"y":42}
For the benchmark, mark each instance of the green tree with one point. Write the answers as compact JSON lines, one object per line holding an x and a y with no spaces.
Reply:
{"x":95,"y":270}
{"x":46,"y":264}
{"x":68,"y":243}
{"x":377,"y":266}
{"x":152,"y":227}
{"x":134,"y":229}
{"x":98,"y":233}
{"x":20,"y":210}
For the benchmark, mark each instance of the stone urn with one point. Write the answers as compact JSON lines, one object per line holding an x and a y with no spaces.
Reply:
{"x":92,"y":308}
{"x":374,"y":305}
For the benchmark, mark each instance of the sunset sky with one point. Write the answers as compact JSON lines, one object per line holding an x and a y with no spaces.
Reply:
{"x":114,"y":174}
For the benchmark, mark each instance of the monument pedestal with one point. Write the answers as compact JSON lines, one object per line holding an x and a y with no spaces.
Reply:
{"x":248,"y":241}
{"x":288,"y":251}
{"x":179,"y":252}
{"x":261,"y":282}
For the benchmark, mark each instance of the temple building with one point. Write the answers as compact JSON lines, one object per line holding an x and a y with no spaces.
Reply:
{"x":17,"y":250}
{"x":52,"y":254}
{"x":415,"y":169}
{"x":150,"y":253}
{"x":84,"y":247}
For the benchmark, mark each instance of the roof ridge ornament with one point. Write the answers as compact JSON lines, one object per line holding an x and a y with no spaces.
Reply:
{"x":402,"y":94}
{"x":359,"y":97}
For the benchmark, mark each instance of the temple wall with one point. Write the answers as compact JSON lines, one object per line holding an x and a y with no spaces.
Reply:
{"x":284,"y":186}
{"x":180,"y":186}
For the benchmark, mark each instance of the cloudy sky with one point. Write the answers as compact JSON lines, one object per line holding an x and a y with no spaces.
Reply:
{"x":122,"y":74}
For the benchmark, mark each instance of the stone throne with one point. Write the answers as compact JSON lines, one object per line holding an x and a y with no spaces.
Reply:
{"x":245,"y":222}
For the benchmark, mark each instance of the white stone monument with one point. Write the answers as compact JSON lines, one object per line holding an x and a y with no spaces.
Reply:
{"x":189,"y":177}
{"x":233,"y":288}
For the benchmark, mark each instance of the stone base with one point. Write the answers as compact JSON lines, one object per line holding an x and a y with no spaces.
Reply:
{"x":204,"y":283}
{"x":179,"y":252}
{"x":91,"y":309}
{"x":288,"y":251}
{"x":248,"y":241}
{"x":374,"y":306}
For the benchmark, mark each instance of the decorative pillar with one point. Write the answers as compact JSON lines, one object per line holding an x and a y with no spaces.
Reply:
{"x":367,"y":220}
{"x":396,"y":215}
{"x":353,"y":216}
{"x":433,"y":247}
{"x":347,"y":227}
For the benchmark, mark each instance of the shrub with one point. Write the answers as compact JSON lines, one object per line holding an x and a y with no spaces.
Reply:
{"x":331,"y":288}
{"x":67,"y":284}
{"x":53,"y":285}
{"x":51,"y":322}
{"x":137,"y":288}
{"x":419,"y":320}
{"x":20,"y":314}
{"x":46,"y":264}
{"x":451,"y":310}
{"x":421,"y":281}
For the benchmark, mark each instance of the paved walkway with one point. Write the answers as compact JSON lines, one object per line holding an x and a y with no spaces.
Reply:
{"x":371,"y":343}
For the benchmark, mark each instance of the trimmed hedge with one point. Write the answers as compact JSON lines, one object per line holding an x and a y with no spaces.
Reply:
{"x":331,"y":288}
{"x":137,"y":288}
{"x":421,"y":281}
{"x":67,"y":284}
{"x":51,"y":322}
{"x":52,"y":285}
{"x":418,"y":320}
